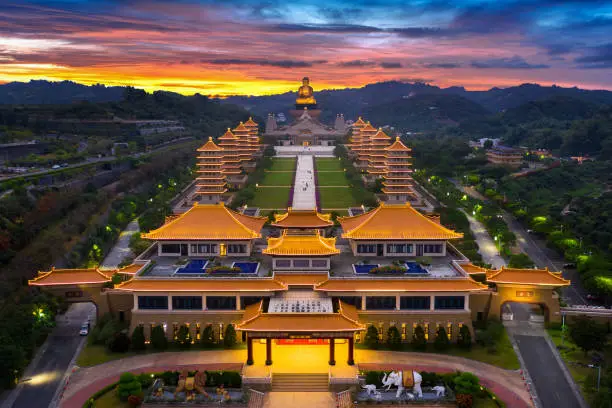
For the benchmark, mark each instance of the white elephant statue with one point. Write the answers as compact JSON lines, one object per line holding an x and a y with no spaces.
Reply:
{"x":396,"y":379}
{"x":439,"y":390}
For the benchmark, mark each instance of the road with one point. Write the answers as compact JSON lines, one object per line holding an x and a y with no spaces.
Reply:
{"x":46,"y":372}
{"x":121,"y":248}
{"x":486,"y":246}
{"x":552,"y":387}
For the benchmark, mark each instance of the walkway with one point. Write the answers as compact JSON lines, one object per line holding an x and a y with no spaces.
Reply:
{"x":121,"y":250}
{"x":304,"y":188}
{"x":486,"y":245}
{"x":507,"y":384}
{"x":291,"y":151}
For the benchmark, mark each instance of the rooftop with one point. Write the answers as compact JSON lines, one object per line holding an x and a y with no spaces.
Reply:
{"x":209,"y":146}
{"x":70,"y":277}
{"x":527,"y":277}
{"x":302,"y":219}
{"x":311,"y":244}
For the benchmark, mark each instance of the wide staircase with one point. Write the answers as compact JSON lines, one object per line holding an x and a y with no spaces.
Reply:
{"x":289,"y":382}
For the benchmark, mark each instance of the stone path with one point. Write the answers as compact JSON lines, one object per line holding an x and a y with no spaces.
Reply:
{"x":121,"y":248}
{"x":486,"y":245}
{"x":508,"y":385}
{"x":304,"y":188}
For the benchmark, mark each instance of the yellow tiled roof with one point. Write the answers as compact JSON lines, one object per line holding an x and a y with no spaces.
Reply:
{"x":536,"y":277}
{"x":228,"y":135}
{"x":301,"y":279}
{"x":209,"y":146}
{"x":398,"y":146}
{"x":201,"y":285}
{"x":368,"y":128}
{"x":302,"y":219}
{"x":359,"y":122}
{"x":250,"y":122}
{"x":209,"y":221}
{"x":240,"y":128}
{"x":70,"y":277}
{"x":313,"y":245}
{"x":380,"y":135}
{"x":130,"y":269}
{"x":400,"y":285}
{"x":473,"y":269}
{"x":394,"y":221}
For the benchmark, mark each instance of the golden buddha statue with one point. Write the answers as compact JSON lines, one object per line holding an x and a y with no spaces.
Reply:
{"x":305,"y":93}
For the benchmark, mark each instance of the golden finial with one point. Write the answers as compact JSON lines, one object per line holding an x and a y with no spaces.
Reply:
{"x":210,"y":138}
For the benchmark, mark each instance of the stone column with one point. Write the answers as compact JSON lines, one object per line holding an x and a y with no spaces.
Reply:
{"x":363,"y":302}
{"x":397,"y":302}
{"x":432,"y":302}
{"x":238,"y":302}
{"x":268,"y":351}
{"x":332,"y":352}
{"x":351,"y":358}
{"x":249,"y":350}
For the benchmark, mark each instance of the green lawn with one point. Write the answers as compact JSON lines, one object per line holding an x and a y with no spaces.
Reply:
{"x":328,"y":164}
{"x":336,"y":198}
{"x":570,"y":353}
{"x":110,"y":400}
{"x":331,"y":179}
{"x":277,"y":179}
{"x":505,"y":357}
{"x":271,"y":197}
{"x":283,"y":165}
{"x":93,"y":355}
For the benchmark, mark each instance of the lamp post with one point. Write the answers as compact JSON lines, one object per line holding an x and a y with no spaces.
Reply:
{"x":598,"y":367}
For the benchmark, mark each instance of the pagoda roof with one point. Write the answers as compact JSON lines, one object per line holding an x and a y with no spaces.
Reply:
{"x":254,"y":319}
{"x":131,"y":269}
{"x":209,"y":146}
{"x":313,"y":245}
{"x":70,"y":277}
{"x":368,"y":128}
{"x":380,"y":135}
{"x":471,"y":269}
{"x":398,"y":146}
{"x":241,"y":128}
{"x":301,"y":279}
{"x":209,"y":221}
{"x":250,"y":122}
{"x":359,"y":122}
{"x":533,"y":277}
{"x":201,"y":285}
{"x":302,"y":219}
{"x":228,"y":135}
{"x":394,"y":221}
{"x":400,"y":285}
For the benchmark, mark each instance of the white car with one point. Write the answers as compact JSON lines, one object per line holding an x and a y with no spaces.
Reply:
{"x":84,"y":330}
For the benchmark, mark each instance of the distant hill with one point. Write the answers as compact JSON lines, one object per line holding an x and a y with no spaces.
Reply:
{"x":45,"y":92}
{"x":561,"y":108}
{"x":425,"y":112}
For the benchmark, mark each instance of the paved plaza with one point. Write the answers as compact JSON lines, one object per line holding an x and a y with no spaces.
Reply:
{"x":304,"y":188}
{"x":291,"y":151}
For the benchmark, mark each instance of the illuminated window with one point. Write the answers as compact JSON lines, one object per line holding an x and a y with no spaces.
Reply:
{"x":426,"y":329}
{"x":222,"y":249}
{"x":403,"y":331}
{"x":165,"y":326}
{"x":198,"y":335}
{"x":220,"y":331}
{"x":380,"y":330}
{"x":175,"y":328}
{"x":449,"y":330}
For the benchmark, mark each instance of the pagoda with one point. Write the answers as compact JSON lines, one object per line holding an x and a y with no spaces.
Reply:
{"x":231,"y":160}
{"x":210,"y":182}
{"x":245,"y":150}
{"x":377,"y":156}
{"x":253,"y":138}
{"x":363,"y":149}
{"x":397,"y":184}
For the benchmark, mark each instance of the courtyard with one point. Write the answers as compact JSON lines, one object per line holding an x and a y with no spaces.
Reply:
{"x":332,"y":185}
{"x":274,"y":190}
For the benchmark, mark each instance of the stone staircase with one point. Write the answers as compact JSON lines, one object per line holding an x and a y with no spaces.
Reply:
{"x":288,"y":382}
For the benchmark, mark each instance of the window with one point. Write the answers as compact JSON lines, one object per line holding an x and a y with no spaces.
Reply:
{"x":74,"y":294}
{"x":198,"y":335}
{"x":319,"y":263}
{"x":415,"y":302}
{"x":282,"y":263}
{"x":200,"y":248}
{"x":221,"y":302}
{"x":426,"y":330}
{"x":432,"y":248}
{"x":351,"y":300}
{"x":220,"y":331}
{"x":248,"y":300}
{"x":380,"y":303}
{"x":449,"y":330}
{"x":236,"y":248}
{"x":380,"y":331}
{"x":366,"y":248}
{"x":153,"y":302}
{"x":301,"y":263}
{"x":404,"y":331}
{"x":171,"y":248}
{"x":187,"y":302}
{"x":524,"y":293}
{"x":399,"y":248}
{"x":175,"y":328}
{"x":450,"y":302}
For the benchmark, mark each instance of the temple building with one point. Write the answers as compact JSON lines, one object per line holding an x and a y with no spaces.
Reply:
{"x":505,"y":156}
{"x":398,"y":184}
{"x":210,"y":181}
{"x":235,"y":176}
{"x":377,"y":156}
{"x":306,"y":128}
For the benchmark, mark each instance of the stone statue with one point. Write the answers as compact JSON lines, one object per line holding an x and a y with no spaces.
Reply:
{"x":439,"y":390}
{"x":402,"y":380}
{"x":305,"y":93}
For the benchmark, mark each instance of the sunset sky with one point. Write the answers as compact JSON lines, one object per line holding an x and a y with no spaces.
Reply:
{"x":261,"y":47}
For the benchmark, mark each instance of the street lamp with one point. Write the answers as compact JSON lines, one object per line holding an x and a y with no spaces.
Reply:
{"x":598,"y":367}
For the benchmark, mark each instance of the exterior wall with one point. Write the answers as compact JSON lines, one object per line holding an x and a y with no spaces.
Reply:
{"x":353,"y":243}
{"x":279,"y":264}
{"x":525,"y":294}
{"x":217,"y":251}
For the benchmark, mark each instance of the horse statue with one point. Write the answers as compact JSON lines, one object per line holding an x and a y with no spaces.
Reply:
{"x":403,"y":380}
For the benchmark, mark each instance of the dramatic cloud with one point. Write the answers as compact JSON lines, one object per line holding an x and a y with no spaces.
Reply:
{"x":266,"y":63}
{"x":391,"y":65}
{"x":442,"y":65}
{"x":596,"y":58}
{"x":357,"y":63}
{"x":515,"y":62}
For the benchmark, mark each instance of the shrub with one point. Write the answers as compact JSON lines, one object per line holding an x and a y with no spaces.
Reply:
{"x":128,"y":385}
{"x":388,"y":269}
{"x":441,"y":342}
{"x":464,"y":340}
{"x":394,"y":339}
{"x":145,"y":380}
{"x":419,"y":342}
{"x":120,"y":343}
{"x":208,"y":337}
{"x":371,"y":337}
{"x":158,"y":338}
{"x":223,"y":269}
{"x":374,"y":377}
{"x":464,"y":401}
{"x":466,"y":383}
{"x":229,"y":339}
{"x":138,"y":338}
{"x":134,"y":400}
{"x":431,"y":379}
{"x":183,"y":337}
{"x":230,"y":379}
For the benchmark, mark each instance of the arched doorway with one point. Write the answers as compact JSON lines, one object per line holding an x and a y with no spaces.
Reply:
{"x":512,"y":311}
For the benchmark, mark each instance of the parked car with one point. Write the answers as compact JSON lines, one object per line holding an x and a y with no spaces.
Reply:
{"x":84,"y":329}
{"x":570,"y":265}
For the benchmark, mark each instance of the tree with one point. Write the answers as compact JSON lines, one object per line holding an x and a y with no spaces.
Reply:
{"x":588,"y":334}
{"x":128,"y":385}
{"x":464,"y":340}
{"x":120,"y":343}
{"x":12,"y":362}
{"x":441,"y":341}
{"x":208,"y":337}
{"x":466,"y":384}
{"x":138,"y":338}
{"x":394,"y":339}
{"x":487,"y":144}
{"x":158,"y":338}
{"x":419,"y":341}
{"x":521,"y":261}
{"x":229,"y":340}
{"x":371,"y":337}
{"x":183,"y":337}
